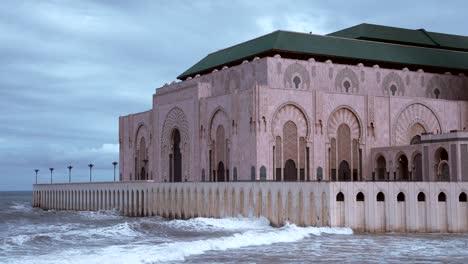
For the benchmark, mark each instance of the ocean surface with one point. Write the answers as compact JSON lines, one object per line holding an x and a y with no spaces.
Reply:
{"x":30,"y":235}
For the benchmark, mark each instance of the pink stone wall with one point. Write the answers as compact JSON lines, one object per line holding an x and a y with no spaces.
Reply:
{"x":248,"y":100}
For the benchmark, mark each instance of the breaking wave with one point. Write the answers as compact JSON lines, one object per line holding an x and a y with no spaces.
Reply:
{"x":227,"y":224}
{"x":180,"y":250}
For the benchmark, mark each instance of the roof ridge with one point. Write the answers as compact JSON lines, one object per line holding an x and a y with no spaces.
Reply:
{"x":428,"y":36}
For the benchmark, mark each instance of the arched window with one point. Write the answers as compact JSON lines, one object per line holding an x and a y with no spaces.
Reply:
{"x":402,"y":162}
{"x":263,"y":176}
{"x":234,"y":174}
{"x":393,"y":89}
{"x":203,"y":175}
{"x":421,"y":197}
{"x":296,"y":81}
{"x":319,"y":173}
{"x":416,"y":140}
{"x":462,"y":197}
{"x":347,"y":85}
{"x":252,"y":173}
{"x":417,"y":167}
{"x":360,"y":197}
{"x":381,"y":168}
{"x":340,"y":197}
{"x":400,"y":197}
{"x":442,"y":197}
{"x":290,"y":150}
{"x":442,"y":168}
{"x":437,"y":93}
{"x":380,"y":197}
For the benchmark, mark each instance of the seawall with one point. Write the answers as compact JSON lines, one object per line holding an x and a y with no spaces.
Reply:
{"x":363,"y":206}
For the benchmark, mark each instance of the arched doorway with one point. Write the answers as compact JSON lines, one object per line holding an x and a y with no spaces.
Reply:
{"x":220,"y":172}
{"x":381,"y":168}
{"x":417,"y":167}
{"x":290,"y":171}
{"x":143,"y":174}
{"x":402,"y":168}
{"x":442,"y":168}
{"x":344,"y":172}
{"x":176,"y":159}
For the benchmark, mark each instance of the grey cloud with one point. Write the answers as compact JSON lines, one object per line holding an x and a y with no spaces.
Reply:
{"x":68,"y":69}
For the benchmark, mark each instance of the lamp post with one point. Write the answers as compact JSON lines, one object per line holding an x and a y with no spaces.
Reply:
{"x":51,"y":170}
{"x":115,"y":164}
{"x":70,"y":167}
{"x":90,"y":171}
{"x":36,"y":170}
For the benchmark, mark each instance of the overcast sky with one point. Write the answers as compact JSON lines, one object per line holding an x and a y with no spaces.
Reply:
{"x":68,"y":69}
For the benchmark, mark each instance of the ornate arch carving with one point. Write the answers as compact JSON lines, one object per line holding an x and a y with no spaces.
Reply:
{"x":344,"y":115}
{"x":391,"y":80}
{"x":436,"y":83}
{"x":296,"y":70}
{"x":286,"y":112}
{"x":175,"y":119}
{"x":142,"y":131}
{"x":347,"y":75}
{"x":410,"y":115}
{"x":219,"y":117}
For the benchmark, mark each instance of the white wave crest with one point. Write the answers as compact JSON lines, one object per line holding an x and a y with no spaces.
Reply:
{"x":100,"y":215}
{"x":22,"y":207}
{"x":179,"y":251}
{"x":119,"y":231}
{"x":228,"y":224}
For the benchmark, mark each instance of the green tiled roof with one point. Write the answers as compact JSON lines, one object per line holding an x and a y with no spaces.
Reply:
{"x":419,"y":50}
{"x":418,"y":37}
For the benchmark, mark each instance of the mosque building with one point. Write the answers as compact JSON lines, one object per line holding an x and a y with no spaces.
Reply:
{"x":366,"y":103}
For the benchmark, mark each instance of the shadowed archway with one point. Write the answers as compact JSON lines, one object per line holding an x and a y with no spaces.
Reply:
{"x":221,"y":172}
{"x":344,"y":172}
{"x":290,"y":171}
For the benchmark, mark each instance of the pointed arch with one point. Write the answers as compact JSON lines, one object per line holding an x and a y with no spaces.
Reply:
{"x":414,"y":114}
{"x":175,"y":120}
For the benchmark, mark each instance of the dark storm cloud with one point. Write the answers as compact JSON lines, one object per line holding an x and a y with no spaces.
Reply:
{"x":68,"y":69}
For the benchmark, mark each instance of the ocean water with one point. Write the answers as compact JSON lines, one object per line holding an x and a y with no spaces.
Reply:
{"x":30,"y":235}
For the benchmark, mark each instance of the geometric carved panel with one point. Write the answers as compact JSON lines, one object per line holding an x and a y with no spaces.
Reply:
{"x":411,"y":115}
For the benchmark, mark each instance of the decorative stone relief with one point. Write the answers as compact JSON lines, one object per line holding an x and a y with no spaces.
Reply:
{"x":347,"y":81}
{"x":219,"y":118}
{"x":436,"y":88}
{"x":290,"y":112}
{"x":412,"y":114}
{"x":344,"y":116}
{"x":393,"y":85}
{"x":175,"y":119}
{"x":296,"y":76}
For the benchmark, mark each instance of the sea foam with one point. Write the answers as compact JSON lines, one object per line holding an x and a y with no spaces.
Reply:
{"x":180,"y":250}
{"x":227,"y":224}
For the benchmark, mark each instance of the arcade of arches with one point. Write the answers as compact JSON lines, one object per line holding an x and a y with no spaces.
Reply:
{"x":291,"y":151}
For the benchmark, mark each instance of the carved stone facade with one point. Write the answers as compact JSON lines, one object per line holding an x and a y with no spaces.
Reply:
{"x":284,"y":119}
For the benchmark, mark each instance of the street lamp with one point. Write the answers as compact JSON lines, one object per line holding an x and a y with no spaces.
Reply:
{"x":70,"y":167}
{"x":115,"y":164}
{"x":36,"y":170}
{"x":51,"y":170}
{"x":90,"y":171}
